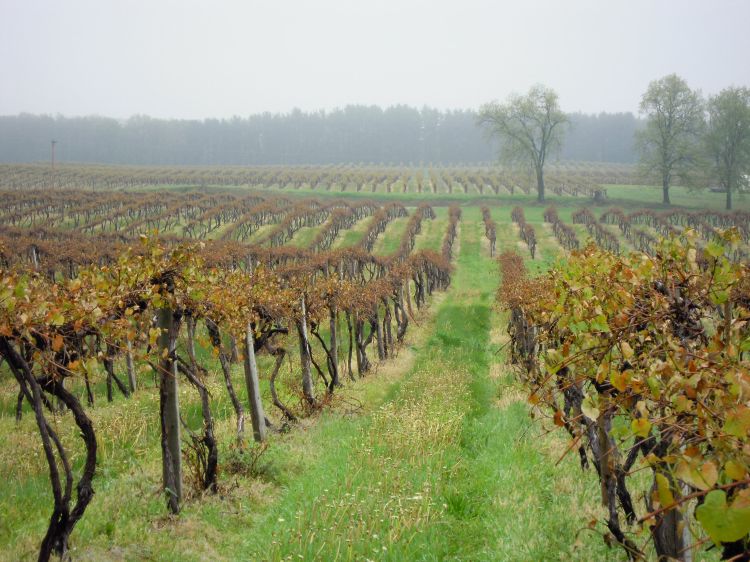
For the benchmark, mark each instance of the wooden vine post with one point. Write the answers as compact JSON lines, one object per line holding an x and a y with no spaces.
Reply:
{"x":169,"y":408}
{"x":304,"y":353}
{"x":257,"y":416}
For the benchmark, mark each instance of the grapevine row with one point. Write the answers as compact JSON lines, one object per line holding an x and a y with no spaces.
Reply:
{"x":644,"y":363}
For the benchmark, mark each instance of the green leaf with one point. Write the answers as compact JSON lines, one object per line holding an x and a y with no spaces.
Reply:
{"x":666,"y":498}
{"x":20,"y":289}
{"x":599,"y":323}
{"x":590,"y":409}
{"x":722,"y":522}
{"x":57,"y":319}
{"x":653,"y":385}
{"x":719,"y":296}
{"x":714,"y":249}
{"x":738,"y":422}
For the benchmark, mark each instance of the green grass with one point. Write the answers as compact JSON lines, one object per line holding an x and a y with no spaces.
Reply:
{"x":627,"y":196}
{"x":441,"y":462}
{"x":352,"y":236}
{"x":439,"y":471}
{"x":390,"y":240}
{"x":304,"y":236}
{"x":651,"y":196}
{"x":433,"y":231}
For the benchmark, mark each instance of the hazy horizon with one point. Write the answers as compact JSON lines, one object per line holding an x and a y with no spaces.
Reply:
{"x":194,"y":60}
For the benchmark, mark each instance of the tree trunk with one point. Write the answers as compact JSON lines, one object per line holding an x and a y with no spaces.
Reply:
{"x":89,"y":392}
{"x":375,"y":322}
{"x":235,"y":357}
{"x":334,"y":351}
{"x":363,"y":363}
{"x":19,"y":406}
{"x":304,"y":354}
{"x":665,"y":190}
{"x":215,"y":335}
{"x":387,"y":328}
{"x":169,"y":407}
{"x":729,"y":196}
{"x":190,"y":329}
{"x":63,"y":518}
{"x":403,"y":317}
{"x":208,"y":440}
{"x":109,"y":366}
{"x":407,"y":293}
{"x":257,"y":416}
{"x":280,"y":354}
{"x":132,"y":381}
{"x":668,"y":537}
{"x":351,"y":345}
{"x":540,"y":184}
{"x":357,"y":343}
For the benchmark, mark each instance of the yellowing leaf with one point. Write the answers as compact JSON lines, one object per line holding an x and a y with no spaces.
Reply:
{"x":703,"y":479}
{"x":709,"y":474}
{"x":734,"y":470}
{"x":641,"y":427}
{"x":738,"y":422}
{"x":589,"y":409}
{"x":57,"y":343}
{"x":666,"y":497}
{"x":57,"y":319}
{"x":620,"y":380}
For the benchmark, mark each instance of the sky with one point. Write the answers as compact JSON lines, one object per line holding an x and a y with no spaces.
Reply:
{"x":223,"y":58}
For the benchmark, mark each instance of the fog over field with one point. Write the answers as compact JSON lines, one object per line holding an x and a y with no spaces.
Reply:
{"x":190,"y":59}
{"x":389,"y":281}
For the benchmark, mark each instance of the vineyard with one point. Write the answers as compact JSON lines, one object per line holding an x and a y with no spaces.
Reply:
{"x":575,"y":179}
{"x":262,"y":364}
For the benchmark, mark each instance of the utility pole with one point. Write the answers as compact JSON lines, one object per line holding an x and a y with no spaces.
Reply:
{"x":54,"y":142}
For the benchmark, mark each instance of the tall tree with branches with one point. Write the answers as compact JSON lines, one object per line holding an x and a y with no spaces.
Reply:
{"x":529,"y":127}
{"x":669,"y":144}
{"x":727,"y":139}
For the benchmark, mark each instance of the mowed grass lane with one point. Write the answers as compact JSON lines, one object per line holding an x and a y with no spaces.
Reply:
{"x":449,"y":467}
{"x":432,"y":457}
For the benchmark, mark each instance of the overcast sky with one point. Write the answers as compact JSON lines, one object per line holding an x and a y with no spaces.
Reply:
{"x":219,"y":58}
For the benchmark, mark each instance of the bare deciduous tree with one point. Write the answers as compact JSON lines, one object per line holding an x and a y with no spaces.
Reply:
{"x":669,"y":143}
{"x":529,"y":127}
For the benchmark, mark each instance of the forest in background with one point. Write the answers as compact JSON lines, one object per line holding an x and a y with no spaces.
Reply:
{"x":354,"y":134}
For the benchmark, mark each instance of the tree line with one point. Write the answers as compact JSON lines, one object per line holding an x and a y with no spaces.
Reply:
{"x":685,"y":138}
{"x":354,"y":134}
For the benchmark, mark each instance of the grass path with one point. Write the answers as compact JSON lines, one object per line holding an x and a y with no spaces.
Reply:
{"x":448,"y":467}
{"x":433,"y":231}
{"x":390,"y":240}
{"x":441,"y":462}
{"x":352,"y":236}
